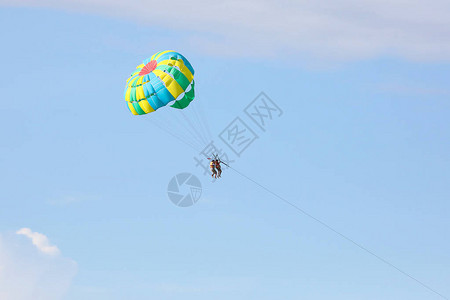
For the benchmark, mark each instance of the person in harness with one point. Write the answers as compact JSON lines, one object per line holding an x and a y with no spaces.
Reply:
{"x":212,"y":166}
{"x":218,"y":168}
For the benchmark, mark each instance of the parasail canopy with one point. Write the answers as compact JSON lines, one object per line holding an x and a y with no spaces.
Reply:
{"x":166,"y":78}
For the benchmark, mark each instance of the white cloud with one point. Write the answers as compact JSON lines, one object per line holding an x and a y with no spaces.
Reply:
{"x":30,"y":271}
{"x":288,"y":29}
{"x":40,"y":241}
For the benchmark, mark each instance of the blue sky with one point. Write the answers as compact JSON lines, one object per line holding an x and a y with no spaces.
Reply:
{"x":363,"y":145}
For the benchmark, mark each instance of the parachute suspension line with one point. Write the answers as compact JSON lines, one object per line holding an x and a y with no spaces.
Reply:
{"x":338,"y":233}
{"x":199,"y":135}
{"x":191,"y":115}
{"x":190,"y":129}
{"x":202,"y":131}
{"x":186,"y":132}
{"x":197,"y":110}
{"x":325,"y":225}
{"x":203,"y":124}
{"x":169,"y":121}
{"x":178,"y":137}
{"x":204,"y":121}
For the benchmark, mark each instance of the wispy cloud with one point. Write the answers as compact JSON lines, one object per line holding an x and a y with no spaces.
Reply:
{"x":40,"y":241}
{"x":285,"y":29}
{"x":33,"y":270}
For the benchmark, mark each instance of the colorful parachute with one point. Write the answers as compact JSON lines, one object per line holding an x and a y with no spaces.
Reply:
{"x":164,"y":78}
